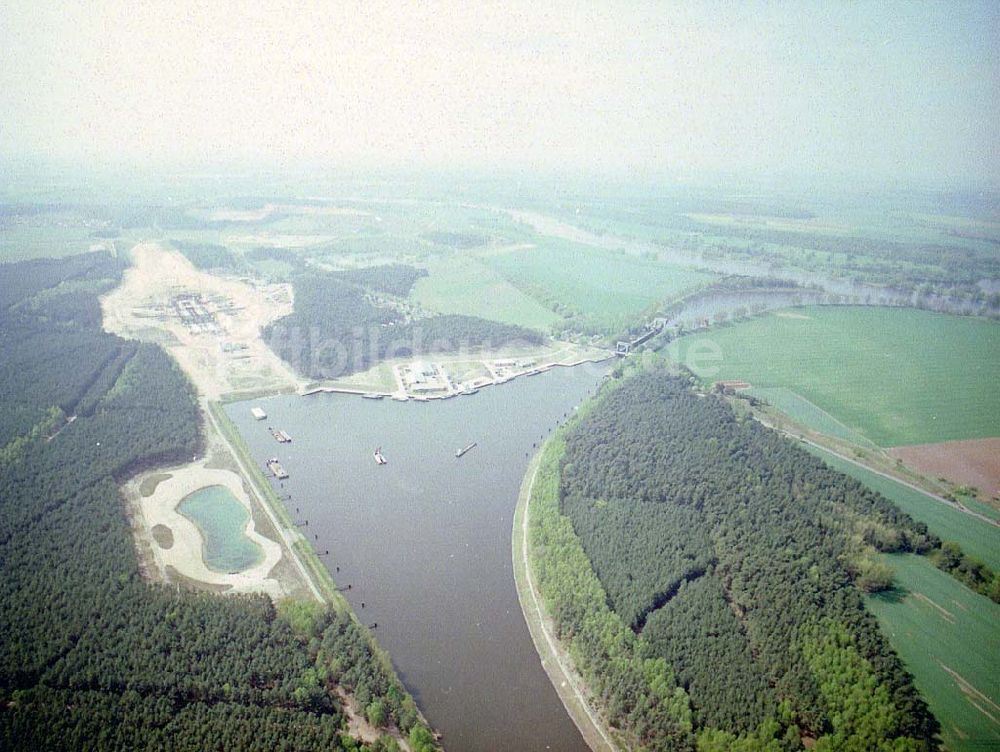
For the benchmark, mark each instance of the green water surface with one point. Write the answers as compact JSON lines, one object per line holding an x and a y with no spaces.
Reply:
{"x":221,"y":518}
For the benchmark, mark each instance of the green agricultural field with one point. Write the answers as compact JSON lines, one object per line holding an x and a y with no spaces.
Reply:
{"x":606,"y":289}
{"x":977,"y":538}
{"x":466,"y":286}
{"x":805,"y":412}
{"x":22,"y":243}
{"x":896,"y":376}
{"x":949,"y":638}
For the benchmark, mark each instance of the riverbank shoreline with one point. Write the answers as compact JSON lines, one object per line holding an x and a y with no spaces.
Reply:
{"x":567,"y":682}
{"x":456,"y":374}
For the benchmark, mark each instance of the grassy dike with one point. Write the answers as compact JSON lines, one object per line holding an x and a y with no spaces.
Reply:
{"x":555,"y":578}
{"x":565,"y":679}
{"x":264,"y":491}
{"x":315,"y":569}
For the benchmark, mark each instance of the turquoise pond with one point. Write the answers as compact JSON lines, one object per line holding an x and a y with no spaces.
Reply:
{"x":221,"y":518}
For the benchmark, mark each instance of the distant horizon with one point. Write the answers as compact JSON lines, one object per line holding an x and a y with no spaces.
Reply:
{"x":35,"y":170}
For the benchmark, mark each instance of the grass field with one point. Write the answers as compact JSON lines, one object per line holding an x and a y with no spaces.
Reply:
{"x":976,"y":537}
{"x":985,"y":509}
{"x":466,"y":286}
{"x":805,"y":412}
{"x":896,"y":376}
{"x":607,"y":289}
{"x":23,"y":243}
{"x":949,"y":638}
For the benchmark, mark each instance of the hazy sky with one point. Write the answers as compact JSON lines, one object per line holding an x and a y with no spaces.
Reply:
{"x":907,"y":89}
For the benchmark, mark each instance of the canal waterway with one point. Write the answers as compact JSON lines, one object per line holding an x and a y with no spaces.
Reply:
{"x":425,"y":540}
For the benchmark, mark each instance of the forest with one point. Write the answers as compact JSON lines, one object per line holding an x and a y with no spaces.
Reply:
{"x":93,"y":656}
{"x":715,"y":542}
{"x":344,"y":323}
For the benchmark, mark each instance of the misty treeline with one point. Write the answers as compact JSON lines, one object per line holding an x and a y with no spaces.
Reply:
{"x":344,"y":323}
{"x":942,"y":271}
{"x":707,"y":574}
{"x":93,"y":656}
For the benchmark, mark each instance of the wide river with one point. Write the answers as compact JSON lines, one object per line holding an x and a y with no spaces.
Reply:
{"x":425,"y":540}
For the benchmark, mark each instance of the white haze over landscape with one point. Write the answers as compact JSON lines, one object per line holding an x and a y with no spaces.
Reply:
{"x":897,"y":91}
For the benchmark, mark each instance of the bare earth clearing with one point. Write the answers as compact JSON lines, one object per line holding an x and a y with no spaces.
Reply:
{"x":221,"y":352}
{"x":974,"y":462}
{"x":226,"y":356}
{"x":185,"y":553}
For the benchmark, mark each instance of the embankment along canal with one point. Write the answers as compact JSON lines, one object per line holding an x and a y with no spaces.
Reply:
{"x":424,"y":541}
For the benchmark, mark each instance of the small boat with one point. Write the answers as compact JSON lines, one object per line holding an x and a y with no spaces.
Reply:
{"x":460,"y":452}
{"x":379,"y":458}
{"x":276,"y":469}
{"x":369,"y":395}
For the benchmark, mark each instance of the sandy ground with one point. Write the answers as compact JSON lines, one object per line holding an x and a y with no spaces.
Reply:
{"x":185,"y":554}
{"x":141,"y":308}
{"x":974,"y":462}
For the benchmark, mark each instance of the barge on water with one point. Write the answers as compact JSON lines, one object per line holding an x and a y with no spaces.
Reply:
{"x":281,"y":437}
{"x":276,"y":468}
{"x":463,"y":450}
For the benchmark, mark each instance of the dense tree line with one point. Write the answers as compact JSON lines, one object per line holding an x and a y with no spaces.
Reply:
{"x":731,"y":554}
{"x":967,"y":569}
{"x":53,"y":349}
{"x":953,"y":268}
{"x":21,"y":281}
{"x":394,"y":279}
{"x":638,"y":692}
{"x":209,"y":255}
{"x":93,"y":656}
{"x":338,"y":328}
